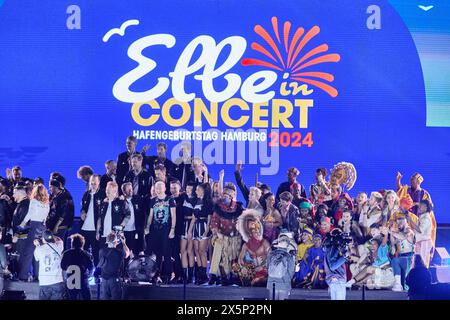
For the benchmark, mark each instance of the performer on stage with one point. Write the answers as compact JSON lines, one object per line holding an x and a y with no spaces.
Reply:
{"x":203,"y":210}
{"x":161,"y":158}
{"x":417,"y":194}
{"x":292,"y":175}
{"x":114,"y":212}
{"x":160,"y":228}
{"x":123,"y":159}
{"x":187,"y":204}
{"x":272,"y":219}
{"x":110,"y":175}
{"x":226,"y":240}
{"x":252,"y":262}
{"x":289,"y":214}
{"x":60,"y":217}
{"x":90,"y":213}
{"x":139,"y":178}
{"x":320,"y":191}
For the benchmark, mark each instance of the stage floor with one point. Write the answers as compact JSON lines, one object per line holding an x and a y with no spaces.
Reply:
{"x":176,"y":292}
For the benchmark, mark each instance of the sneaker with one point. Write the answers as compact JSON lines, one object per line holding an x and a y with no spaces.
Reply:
{"x":397,"y":288}
{"x":350,"y":283}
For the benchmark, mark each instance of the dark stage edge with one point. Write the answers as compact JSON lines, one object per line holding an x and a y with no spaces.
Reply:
{"x":175,"y":292}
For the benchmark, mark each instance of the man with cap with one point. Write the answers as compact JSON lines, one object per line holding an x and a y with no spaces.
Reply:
{"x":60,"y":217}
{"x":20,"y":234}
{"x":292,"y":175}
{"x":48,"y":253}
{"x":402,"y":239}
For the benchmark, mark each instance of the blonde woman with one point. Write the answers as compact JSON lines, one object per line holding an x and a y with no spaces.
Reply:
{"x":36,"y":216}
{"x":391,"y":205}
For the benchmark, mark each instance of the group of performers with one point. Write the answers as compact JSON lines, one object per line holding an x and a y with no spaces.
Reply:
{"x":201,"y":233}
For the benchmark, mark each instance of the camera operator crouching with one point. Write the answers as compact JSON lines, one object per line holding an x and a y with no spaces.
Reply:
{"x":48,"y":253}
{"x":111,"y":266}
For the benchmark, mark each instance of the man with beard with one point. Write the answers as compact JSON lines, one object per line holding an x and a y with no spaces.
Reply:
{"x":140,"y":179}
{"x":161,"y":158}
{"x":110,"y":175}
{"x":226,"y":239}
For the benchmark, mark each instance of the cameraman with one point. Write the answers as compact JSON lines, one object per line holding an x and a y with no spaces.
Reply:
{"x":335,"y":245}
{"x":111,"y":265}
{"x":48,"y":253}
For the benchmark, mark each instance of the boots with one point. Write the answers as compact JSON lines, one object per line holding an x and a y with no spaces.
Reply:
{"x":398,"y":284}
{"x":202,"y":277}
{"x":212,"y":280}
{"x":185,"y":274}
{"x":190,"y":274}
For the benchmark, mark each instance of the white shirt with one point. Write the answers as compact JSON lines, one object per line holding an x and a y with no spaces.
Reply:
{"x":425,"y":227}
{"x":38,"y":211}
{"x":49,"y":263}
{"x":89,"y":223}
{"x":107,"y":222}
{"x":130,"y":224}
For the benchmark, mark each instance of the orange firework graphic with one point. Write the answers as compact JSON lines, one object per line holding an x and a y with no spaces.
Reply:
{"x":284,"y":53}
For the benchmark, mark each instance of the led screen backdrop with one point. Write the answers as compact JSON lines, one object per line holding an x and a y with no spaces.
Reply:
{"x":272,"y":83}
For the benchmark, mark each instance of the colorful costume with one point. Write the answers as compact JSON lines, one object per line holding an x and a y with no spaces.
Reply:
{"x":227,"y":244}
{"x":253,"y":269}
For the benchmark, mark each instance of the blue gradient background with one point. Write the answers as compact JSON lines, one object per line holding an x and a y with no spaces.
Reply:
{"x":56,"y":87}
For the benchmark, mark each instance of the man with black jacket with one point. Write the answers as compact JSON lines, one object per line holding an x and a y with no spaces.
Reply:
{"x":6,"y":208}
{"x":20,"y":234}
{"x":90,"y":212}
{"x":123,"y":159}
{"x":110,"y":175}
{"x":60,"y":217}
{"x":77,"y":264}
{"x":139,"y":178}
{"x":161,"y":158}
{"x":114,"y":212}
{"x":134,"y":229}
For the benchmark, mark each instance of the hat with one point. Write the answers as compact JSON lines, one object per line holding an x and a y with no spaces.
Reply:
{"x":305,"y":205}
{"x":55,"y":183}
{"x":317,"y":235}
{"x":20,"y":186}
{"x":418,"y":176}
{"x":308,"y":231}
{"x":47,"y":235}
{"x":326,"y":219}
